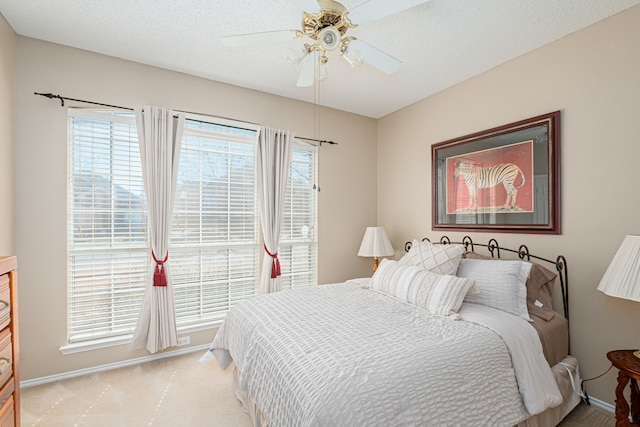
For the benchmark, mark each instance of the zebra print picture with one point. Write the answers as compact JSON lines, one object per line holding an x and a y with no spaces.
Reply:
{"x":504,"y":179}
{"x":495,"y":180}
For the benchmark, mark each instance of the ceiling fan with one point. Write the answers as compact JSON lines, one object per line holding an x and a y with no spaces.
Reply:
{"x":325,"y":32}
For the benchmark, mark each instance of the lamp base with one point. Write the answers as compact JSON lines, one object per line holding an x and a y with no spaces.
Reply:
{"x":376,"y":262}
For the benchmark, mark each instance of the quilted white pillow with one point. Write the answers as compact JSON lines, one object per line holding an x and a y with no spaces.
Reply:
{"x":501,"y":284}
{"x":436,"y":293}
{"x":442,"y":259}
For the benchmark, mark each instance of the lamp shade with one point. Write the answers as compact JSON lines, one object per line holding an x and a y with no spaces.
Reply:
{"x":375,"y":243}
{"x":622,"y":278}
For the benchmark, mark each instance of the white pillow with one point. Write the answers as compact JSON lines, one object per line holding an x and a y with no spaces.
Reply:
{"x":436,"y":293}
{"x":501,"y":284}
{"x":441,"y":258}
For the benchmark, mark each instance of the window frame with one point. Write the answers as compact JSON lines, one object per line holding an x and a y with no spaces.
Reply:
{"x":255,"y":245}
{"x":107,"y":341}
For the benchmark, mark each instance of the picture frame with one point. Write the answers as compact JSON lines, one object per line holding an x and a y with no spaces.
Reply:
{"x":504,"y":179}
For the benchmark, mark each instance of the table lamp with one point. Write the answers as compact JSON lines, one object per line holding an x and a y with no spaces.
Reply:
{"x":622,"y":278}
{"x":375,"y":243}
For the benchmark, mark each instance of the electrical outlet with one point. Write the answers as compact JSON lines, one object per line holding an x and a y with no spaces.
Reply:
{"x":184,"y":340}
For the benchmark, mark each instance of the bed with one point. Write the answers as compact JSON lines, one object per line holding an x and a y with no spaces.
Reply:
{"x":444,"y":336}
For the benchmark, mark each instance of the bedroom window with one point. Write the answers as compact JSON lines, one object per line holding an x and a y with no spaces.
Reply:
{"x":215,"y":237}
{"x":215,"y":243}
{"x":107,"y":241}
{"x":298,"y":238}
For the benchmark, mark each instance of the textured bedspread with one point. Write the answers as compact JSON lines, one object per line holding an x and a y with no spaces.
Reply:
{"x":342,"y":355}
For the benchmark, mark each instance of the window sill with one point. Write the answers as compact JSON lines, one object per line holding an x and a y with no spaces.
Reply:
{"x":79,"y":347}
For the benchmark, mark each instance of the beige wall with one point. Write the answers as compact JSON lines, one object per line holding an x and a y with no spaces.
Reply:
{"x":347,"y":178}
{"x":593,"y":77}
{"x":7,"y":85}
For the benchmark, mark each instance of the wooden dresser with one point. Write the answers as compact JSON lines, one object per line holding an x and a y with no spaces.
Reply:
{"x":9,"y":374}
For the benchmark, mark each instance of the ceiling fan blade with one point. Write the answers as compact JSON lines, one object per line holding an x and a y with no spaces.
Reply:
{"x":308,"y":5}
{"x":257,"y":38}
{"x":376,"y":9}
{"x":307,"y":71}
{"x":375,"y":57}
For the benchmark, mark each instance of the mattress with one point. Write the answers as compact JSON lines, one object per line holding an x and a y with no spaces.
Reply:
{"x":344,"y":355}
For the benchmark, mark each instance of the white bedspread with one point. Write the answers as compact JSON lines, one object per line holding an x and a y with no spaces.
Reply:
{"x":535,"y":380}
{"x":343,"y":355}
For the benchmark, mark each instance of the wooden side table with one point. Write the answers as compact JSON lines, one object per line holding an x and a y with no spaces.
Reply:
{"x":629,"y":369}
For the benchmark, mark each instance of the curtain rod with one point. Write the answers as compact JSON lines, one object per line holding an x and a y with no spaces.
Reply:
{"x":63,"y":98}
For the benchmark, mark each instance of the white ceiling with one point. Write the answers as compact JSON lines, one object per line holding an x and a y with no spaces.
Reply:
{"x":440,"y":43}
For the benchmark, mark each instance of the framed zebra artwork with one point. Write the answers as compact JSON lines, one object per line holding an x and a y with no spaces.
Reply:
{"x":502,"y":179}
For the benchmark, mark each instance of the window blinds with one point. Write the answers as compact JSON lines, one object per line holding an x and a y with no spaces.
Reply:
{"x":107,"y":225}
{"x":298,"y":233}
{"x":215,"y":245}
{"x":214,"y":240}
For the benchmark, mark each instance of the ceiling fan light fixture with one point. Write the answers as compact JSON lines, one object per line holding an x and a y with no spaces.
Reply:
{"x":353,"y":56}
{"x":323,"y":68}
{"x":329,"y":38}
{"x":294,"y":56}
{"x":327,"y":31}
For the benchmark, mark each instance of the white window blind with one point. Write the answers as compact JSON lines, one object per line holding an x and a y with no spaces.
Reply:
{"x":298,"y":233}
{"x":107,"y":231}
{"x":214,"y":240}
{"x":215,"y":247}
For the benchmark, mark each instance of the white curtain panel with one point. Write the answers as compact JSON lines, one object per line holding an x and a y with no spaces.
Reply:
{"x":273,"y":156}
{"x":159,"y":136}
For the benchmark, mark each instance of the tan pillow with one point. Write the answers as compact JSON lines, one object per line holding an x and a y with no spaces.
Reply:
{"x":539,"y":287}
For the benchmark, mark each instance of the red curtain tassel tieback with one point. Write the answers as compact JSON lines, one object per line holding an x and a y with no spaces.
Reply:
{"x":275,"y":265}
{"x":159,"y":276}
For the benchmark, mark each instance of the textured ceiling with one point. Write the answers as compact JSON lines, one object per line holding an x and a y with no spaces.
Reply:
{"x":440,"y":43}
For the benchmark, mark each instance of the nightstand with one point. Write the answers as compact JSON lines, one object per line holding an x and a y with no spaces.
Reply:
{"x":629,"y":369}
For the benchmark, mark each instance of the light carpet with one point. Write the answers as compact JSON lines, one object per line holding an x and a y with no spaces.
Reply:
{"x":176,"y":391}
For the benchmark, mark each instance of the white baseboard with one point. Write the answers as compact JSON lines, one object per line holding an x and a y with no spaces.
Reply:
{"x":109,"y":366}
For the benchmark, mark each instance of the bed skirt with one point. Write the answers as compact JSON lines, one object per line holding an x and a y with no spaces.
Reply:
{"x":550,"y":417}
